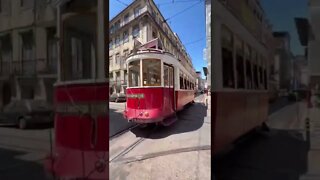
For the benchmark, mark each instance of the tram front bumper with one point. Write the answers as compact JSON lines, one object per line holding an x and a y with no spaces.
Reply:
{"x":143,"y":115}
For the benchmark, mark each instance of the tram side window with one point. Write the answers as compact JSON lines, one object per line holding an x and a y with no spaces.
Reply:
{"x":255,"y":76}
{"x":265,"y":79}
{"x":240,"y":64}
{"x":261,"y":78}
{"x":248,"y":67}
{"x":249,"y":74}
{"x":171,"y":77}
{"x":166,"y":76}
{"x":181,"y":82}
{"x":227,"y":57}
{"x":151,"y":72}
{"x":240,"y":71}
{"x":227,"y":65}
{"x":134,"y":74}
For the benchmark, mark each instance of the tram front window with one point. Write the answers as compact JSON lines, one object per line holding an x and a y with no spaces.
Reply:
{"x":151,"y":72}
{"x":134,"y":74}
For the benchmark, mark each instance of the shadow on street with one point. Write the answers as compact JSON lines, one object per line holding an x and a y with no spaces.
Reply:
{"x":15,"y":169}
{"x":117,"y":123}
{"x":189,"y":119}
{"x":274,"y":155}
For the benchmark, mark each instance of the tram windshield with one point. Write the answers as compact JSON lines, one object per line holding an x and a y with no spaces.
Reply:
{"x":151,"y":69}
{"x":151,"y":73}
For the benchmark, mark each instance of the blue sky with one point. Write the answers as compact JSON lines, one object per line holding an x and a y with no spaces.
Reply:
{"x":281,"y":14}
{"x":189,"y":25}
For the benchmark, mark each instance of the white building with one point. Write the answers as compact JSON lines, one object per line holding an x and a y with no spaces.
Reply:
{"x":141,"y":21}
{"x":28,"y":57}
{"x":309,"y":35}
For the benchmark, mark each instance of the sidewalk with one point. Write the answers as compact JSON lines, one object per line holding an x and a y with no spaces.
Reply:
{"x":298,"y":113}
{"x":313,"y":172}
{"x":289,"y":117}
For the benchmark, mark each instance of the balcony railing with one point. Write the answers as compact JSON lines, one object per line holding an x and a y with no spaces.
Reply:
{"x":28,"y":67}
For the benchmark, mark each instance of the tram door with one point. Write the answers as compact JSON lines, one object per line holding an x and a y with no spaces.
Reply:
{"x":168,"y":77}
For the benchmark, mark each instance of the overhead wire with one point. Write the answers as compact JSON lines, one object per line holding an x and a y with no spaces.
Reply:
{"x":184,"y":10}
{"x":122,"y":3}
{"x":193,"y":42}
{"x":173,"y":1}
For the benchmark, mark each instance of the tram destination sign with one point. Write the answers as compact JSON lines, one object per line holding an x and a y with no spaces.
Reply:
{"x":139,"y":96}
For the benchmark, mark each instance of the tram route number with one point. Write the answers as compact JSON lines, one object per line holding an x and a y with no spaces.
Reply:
{"x":135,"y":96}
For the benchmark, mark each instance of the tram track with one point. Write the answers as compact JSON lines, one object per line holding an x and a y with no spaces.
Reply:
{"x":132,"y":145}
{"x":161,"y":153}
{"x":119,"y":157}
{"x":118,"y":134}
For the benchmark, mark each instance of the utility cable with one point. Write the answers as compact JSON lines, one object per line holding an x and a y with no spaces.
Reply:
{"x":123,"y":3}
{"x":182,"y":11}
{"x":193,"y":42}
{"x":172,"y":2}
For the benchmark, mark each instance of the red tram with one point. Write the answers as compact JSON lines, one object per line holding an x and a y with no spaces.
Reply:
{"x":240,"y":89}
{"x":81,"y":127}
{"x":159,"y":85}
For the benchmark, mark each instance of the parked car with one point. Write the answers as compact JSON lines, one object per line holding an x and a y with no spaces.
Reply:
{"x":117,"y":97}
{"x":25,"y":112}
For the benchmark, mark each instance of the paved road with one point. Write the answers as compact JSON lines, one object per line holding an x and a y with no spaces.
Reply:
{"x":181,"y":151}
{"x":21,"y":153}
{"x":116,"y":121}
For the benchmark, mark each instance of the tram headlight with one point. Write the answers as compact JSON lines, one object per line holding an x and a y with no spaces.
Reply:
{"x":146,"y":114}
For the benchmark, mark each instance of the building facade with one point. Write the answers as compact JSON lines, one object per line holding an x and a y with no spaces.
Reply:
{"x":314,"y":43}
{"x":283,"y":68}
{"x":300,"y":72}
{"x":208,"y":54}
{"x":309,"y":36}
{"x":140,"y":22}
{"x":198,"y":80}
{"x":28,"y":54}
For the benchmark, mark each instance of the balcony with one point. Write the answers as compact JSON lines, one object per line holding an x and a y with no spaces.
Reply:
{"x":28,"y":67}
